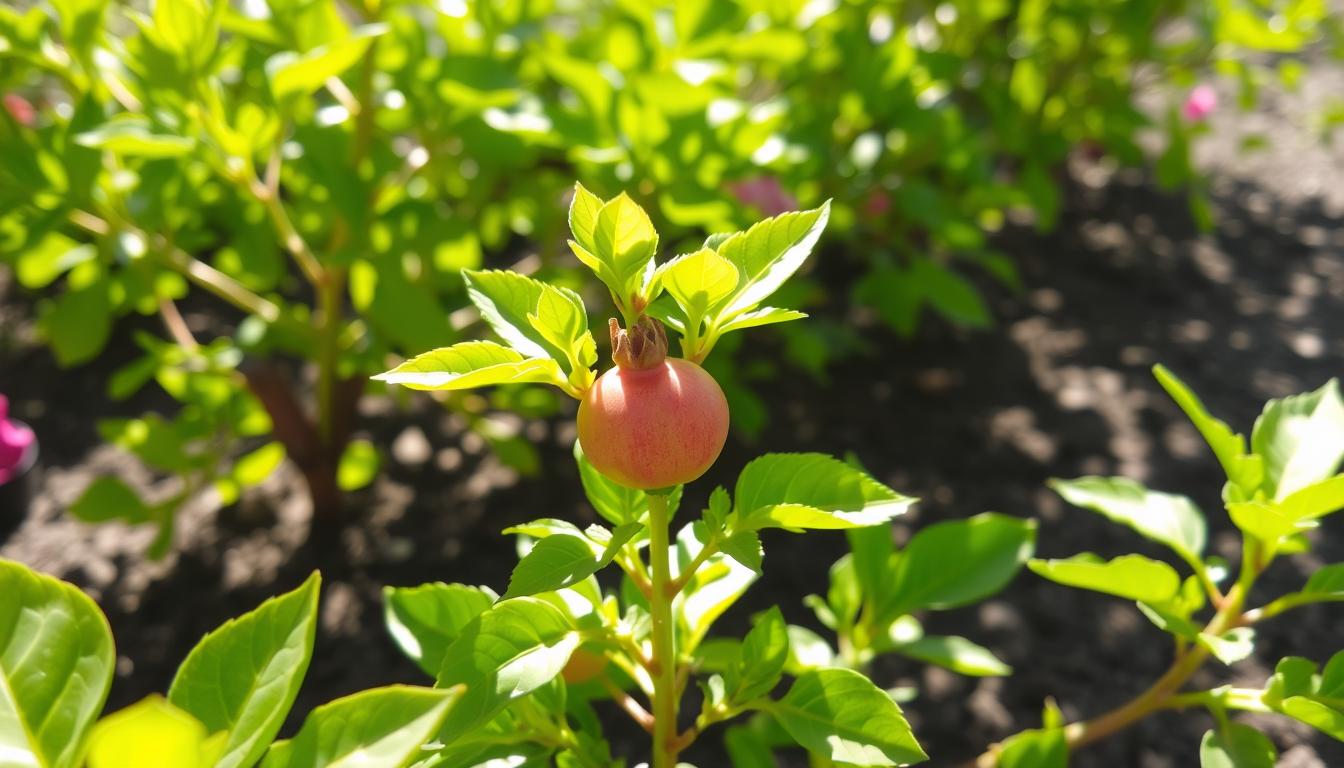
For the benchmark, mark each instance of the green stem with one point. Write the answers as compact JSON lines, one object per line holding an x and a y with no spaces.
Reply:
{"x":665,"y":745}
{"x":331,"y":292}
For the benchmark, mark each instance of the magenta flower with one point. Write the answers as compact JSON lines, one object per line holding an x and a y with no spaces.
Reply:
{"x":1200,"y":103}
{"x":19,"y":109}
{"x":764,"y":193}
{"x":16,"y":440}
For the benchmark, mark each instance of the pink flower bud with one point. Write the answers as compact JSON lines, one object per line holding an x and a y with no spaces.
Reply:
{"x":763,"y":193}
{"x":16,"y":440}
{"x":1200,"y":103}
{"x":877,"y":203}
{"x":19,"y":109}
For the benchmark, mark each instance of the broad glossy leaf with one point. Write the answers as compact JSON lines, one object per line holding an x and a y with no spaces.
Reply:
{"x":988,"y":548}
{"x":624,"y":241}
{"x":762,"y":316}
{"x":841,"y":715}
{"x":56,"y":663}
{"x":957,"y":654}
{"x":1229,"y":447}
{"x":378,"y":728}
{"x":795,"y":491}
{"x":1316,"y":500}
{"x":425,"y":620}
{"x":507,"y":652}
{"x":1236,"y":746}
{"x":1328,"y":581}
{"x":243,"y":677}
{"x":769,"y":253}
{"x":698,"y":281}
{"x":1266,"y":522}
{"x":153,"y":732}
{"x":1165,"y":518}
{"x":583,"y":211}
{"x":1313,"y":699}
{"x":807,"y":650}
{"x":304,"y":73}
{"x":1129,"y":576}
{"x":1301,"y":440}
{"x":472,"y":364}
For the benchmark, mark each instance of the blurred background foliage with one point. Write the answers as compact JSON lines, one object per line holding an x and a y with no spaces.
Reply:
{"x":325,"y":169}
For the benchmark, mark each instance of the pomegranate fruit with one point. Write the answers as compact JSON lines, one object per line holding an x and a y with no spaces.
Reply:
{"x":651,"y":422}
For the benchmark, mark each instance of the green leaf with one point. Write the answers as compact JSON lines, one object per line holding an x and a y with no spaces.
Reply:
{"x":108,"y":498}
{"x":77,"y":323}
{"x":1265,"y":522}
{"x":745,"y":548}
{"x":39,"y":265}
{"x":505,"y":300}
{"x":1301,"y":440}
{"x":1316,"y":500}
{"x":291,"y":73}
{"x":769,"y":253}
{"x":1328,"y":581}
{"x":1236,"y":746}
{"x":762,"y":316}
{"x":359,"y":465}
{"x":507,"y":652}
{"x":254,"y":467}
{"x":957,"y":654}
{"x":762,"y":657}
{"x":699,"y":282}
{"x":472,"y":364}
{"x":1232,"y":646}
{"x":1129,"y":576}
{"x":56,"y":663}
{"x":1317,"y":700}
{"x":623,"y":243}
{"x":1230,"y":448}
{"x":243,"y":677}
{"x":811,"y":490}
{"x":153,"y":732}
{"x":583,"y":212}
{"x":714,"y":587}
{"x":563,"y":560}
{"x":379,"y":728}
{"x":1165,"y":518}
{"x":841,"y":715}
{"x":133,"y":137}
{"x":807,"y":650}
{"x":425,"y":620}
{"x":612,"y":501}
{"x":1047,"y":748}
{"x":988,"y":548}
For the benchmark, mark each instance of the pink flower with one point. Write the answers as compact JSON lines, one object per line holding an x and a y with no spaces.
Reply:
{"x":15,"y":442}
{"x":19,"y":109}
{"x":763,"y":193}
{"x":1201,"y":101}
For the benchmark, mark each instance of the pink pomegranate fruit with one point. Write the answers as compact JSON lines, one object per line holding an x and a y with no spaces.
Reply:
{"x":651,"y":422}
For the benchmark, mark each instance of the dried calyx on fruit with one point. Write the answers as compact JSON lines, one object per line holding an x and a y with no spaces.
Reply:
{"x":652,"y":422}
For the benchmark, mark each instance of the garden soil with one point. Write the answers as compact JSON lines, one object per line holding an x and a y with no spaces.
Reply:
{"x":967,"y":420}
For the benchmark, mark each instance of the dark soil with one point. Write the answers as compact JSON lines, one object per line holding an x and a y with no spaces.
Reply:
{"x":966,"y":421}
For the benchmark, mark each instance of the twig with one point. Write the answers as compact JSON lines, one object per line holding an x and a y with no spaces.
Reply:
{"x":627,"y":702}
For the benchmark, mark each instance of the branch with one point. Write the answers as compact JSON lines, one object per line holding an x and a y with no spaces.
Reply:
{"x":627,"y":702}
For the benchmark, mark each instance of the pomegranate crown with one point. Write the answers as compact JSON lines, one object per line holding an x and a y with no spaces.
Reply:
{"x":639,"y":347}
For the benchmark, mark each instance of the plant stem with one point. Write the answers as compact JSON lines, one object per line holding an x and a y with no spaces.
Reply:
{"x":665,"y":746}
{"x":331,"y":291}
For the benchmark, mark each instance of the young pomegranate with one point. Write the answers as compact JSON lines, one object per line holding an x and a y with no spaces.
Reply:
{"x":651,"y":422}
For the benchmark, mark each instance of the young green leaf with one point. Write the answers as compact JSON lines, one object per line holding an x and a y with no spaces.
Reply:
{"x":1230,"y":647}
{"x":583,"y":212}
{"x":991,"y":548}
{"x":472,"y":364}
{"x":562,"y":560}
{"x":1266,"y":522}
{"x":698,"y":282}
{"x":1314,"y":700}
{"x":56,"y":663}
{"x":1236,"y":746}
{"x":108,"y":498}
{"x":769,"y":253}
{"x":507,"y":652}
{"x":153,"y":732}
{"x":842,"y":716}
{"x":1326,"y":583}
{"x":957,"y":654}
{"x":762,"y":657}
{"x":624,"y":241}
{"x":745,"y":548}
{"x":762,"y":316}
{"x":292,"y":74}
{"x":1316,"y":500}
{"x":378,"y":728}
{"x":795,"y":491}
{"x":807,"y":650}
{"x":505,"y":299}
{"x":714,"y":587}
{"x":132,"y":136}
{"x":1230,"y":448}
{"x":243,"y":677}
{"x":425,"y":620}
{"x":1301,"y":440}
{"x":1165,"y":518}
{"x":1044,"y":748}
{"x":1129,"y":576}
